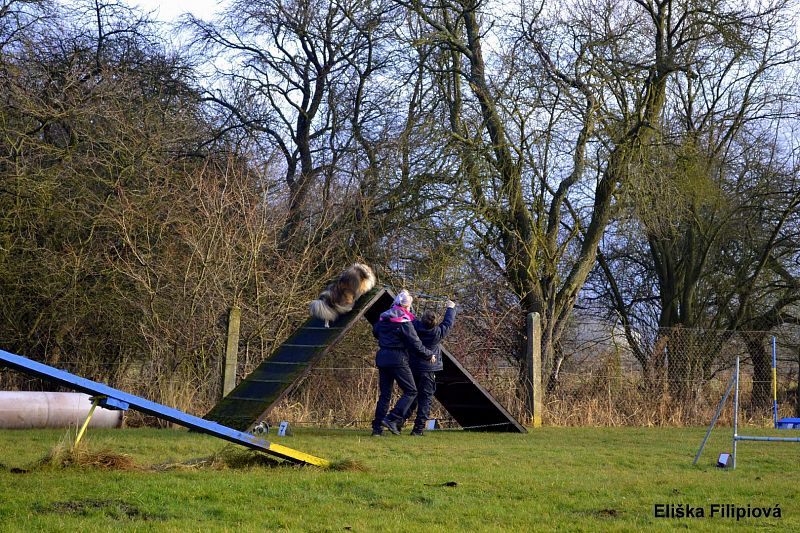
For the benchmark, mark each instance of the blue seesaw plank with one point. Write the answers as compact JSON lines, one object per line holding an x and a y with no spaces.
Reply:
{"x":78,"y":383}
{"x":789,"y":423}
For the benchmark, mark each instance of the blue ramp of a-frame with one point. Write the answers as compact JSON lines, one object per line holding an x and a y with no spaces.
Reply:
{"x":49,"y":373}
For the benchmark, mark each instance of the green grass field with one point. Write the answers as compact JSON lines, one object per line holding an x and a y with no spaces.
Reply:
{"x":552,"y":479}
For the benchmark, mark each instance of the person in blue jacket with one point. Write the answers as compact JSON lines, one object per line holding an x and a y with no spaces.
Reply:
{"x":397,"y":343}
{"x":431,"y":333}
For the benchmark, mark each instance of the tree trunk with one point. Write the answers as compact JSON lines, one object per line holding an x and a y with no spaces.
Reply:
{"x":760,"y":400}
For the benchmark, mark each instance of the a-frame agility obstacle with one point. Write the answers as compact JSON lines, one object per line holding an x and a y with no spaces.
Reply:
{"x":252,"y":399}
{"x":111,"y":398}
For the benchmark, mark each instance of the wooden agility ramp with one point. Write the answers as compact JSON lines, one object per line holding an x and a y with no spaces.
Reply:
{"x":252,"y":399}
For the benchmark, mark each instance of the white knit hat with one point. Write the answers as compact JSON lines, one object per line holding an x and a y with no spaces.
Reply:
{"x":403,"y":298}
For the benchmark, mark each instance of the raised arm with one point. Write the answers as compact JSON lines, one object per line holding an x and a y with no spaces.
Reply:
{"x":447,"y":323}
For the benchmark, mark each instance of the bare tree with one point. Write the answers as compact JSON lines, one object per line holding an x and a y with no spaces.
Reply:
{"x":700,"y":190}
{"x":565,"y":109}
{"x":297,"y":78}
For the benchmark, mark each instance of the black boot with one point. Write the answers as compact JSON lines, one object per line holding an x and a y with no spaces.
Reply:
{"x":390,"y":425}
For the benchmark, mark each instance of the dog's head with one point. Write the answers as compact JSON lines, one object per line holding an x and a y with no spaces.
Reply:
{"x":261,"y":428}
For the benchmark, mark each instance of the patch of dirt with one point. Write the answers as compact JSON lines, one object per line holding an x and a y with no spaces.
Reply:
{"x":116,"y":509}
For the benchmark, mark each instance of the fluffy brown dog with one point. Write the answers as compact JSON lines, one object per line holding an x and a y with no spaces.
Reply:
{"x":340,"y":296}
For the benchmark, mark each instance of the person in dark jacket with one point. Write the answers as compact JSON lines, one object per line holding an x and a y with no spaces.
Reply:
{"x":397,"y":342}
{"x":431,"y":333}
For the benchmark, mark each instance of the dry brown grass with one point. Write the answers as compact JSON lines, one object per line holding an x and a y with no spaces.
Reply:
{"x":603,"y":397}
{"x":626,"y":399}
{"x":65,"y":455}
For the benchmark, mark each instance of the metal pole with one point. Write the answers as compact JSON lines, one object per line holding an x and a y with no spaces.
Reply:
{"x":95,"y":401}
{"x":774,"y":384}
{"x":735,"y":412}
{"x":714,"y":420}
{"x":769,"y":439}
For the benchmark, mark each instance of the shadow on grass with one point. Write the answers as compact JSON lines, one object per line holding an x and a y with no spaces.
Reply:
{"x":227,"y":458}
{"x":239,"y":458}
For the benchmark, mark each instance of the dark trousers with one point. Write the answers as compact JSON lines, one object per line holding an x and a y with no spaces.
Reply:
{"x":426,"y":388}
{"x":387,"y":375}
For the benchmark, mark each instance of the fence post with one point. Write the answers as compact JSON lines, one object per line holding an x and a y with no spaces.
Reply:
{"x":533,"y":369}
{"x":231,"y":351}
{"x":797,"y":390}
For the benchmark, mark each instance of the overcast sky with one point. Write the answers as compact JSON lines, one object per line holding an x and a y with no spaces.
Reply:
{"x":169,"y":10}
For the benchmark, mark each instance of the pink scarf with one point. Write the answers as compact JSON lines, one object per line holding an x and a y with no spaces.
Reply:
{"x":407,"y":316}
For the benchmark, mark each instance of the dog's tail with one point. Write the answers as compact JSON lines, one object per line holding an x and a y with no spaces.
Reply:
{"x":320,"y":309}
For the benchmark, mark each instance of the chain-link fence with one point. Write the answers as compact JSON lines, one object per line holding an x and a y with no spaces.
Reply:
{"x":674,"y":377}
{"x":341,"y":390}
{"x":670,"y":377}
{"x":601,"y":381}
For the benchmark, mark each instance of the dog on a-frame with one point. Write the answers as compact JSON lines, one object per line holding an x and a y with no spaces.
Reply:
{"x":339,"y":296}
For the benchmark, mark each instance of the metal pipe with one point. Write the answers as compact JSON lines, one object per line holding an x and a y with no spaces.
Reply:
{"x":85,"y":425}
{"x":714,"y":420}
{"x":769,"y":439}
{"x":774,"y":384}
{"x":432,"y":297}
{"x":735,"y":412}
{"x":31,"y":409}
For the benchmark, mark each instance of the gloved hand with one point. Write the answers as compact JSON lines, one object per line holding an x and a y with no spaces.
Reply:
{"x":450,"y":303}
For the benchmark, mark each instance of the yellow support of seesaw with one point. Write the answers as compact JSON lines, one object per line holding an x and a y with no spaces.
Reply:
{"x":95,"y":401}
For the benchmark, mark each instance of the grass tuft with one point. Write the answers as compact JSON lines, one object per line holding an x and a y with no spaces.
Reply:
{"x":63,"y":455}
